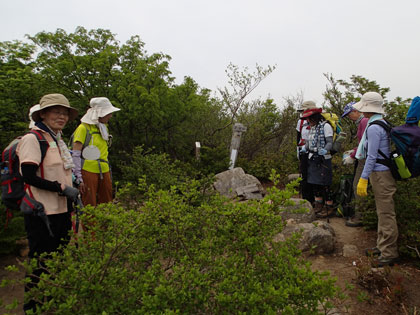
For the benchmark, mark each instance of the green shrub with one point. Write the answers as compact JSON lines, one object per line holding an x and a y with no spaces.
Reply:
{"x":260,"y":166}
{"x":171,"y":255}
{"x":11,"y":230}
{"x":157,"y":169}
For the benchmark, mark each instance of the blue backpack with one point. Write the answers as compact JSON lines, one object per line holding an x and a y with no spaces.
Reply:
{"x":404,"y":161}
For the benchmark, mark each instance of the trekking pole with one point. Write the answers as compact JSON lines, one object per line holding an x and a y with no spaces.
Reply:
{"x":79,"y":206}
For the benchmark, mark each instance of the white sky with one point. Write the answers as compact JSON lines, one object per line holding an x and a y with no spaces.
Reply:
{"x":378,"y":39}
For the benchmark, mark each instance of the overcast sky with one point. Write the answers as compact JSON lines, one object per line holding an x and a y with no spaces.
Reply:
{"x":378,"y":39}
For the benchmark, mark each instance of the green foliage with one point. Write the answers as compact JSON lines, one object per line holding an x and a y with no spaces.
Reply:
{"x":18,"y":88}
{"x":157,"y":169}
{"x":261,"y":165}
{"x":11,"y":230}
{"x":172,"y":254}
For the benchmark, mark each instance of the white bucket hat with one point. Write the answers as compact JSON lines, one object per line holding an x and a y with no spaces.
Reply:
{"x":371,"y":102}
{"x":306,"y":105}
{"x":99,"y":107}
{"x":31,"y":111}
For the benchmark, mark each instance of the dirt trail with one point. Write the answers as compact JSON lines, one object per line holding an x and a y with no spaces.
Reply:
{"x":402,"y":292}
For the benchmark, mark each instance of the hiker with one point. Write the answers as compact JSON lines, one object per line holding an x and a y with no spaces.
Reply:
{"x":357,"y":117}
{"x":375,"y":138}
{"x":49,"y":180}
{"x":90,"y":153}
{"x":302,"y":129}
{"x":31,"y":110}
{"x":318,"y":147}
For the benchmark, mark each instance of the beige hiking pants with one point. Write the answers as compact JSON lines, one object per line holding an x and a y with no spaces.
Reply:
{"x":384,"y":188}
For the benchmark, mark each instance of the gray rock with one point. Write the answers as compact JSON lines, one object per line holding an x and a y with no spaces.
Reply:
{"x":296,"y":213}
{"x":292,"y":177}
{"x":235,"y":182}
{"x":318,"y":236}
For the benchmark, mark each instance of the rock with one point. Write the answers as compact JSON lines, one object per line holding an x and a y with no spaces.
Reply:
{"x":292,"y":177}
{"x":294,"y":212}
{"x":350,"y":251}
{"x":235,"y":182}
{"x":318,"y":236}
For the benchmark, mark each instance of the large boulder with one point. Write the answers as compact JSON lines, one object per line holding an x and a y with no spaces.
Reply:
{"x":317,"y":237}
{"x":235,"y":183}
{"x":300,"y":211}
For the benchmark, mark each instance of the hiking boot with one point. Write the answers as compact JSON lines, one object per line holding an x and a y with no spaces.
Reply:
{"x":354,"y":222}
{"x":326,"y":212}
{"x":383,"y":261}
{"x":318,"y":206}
{"x":370,"y":252}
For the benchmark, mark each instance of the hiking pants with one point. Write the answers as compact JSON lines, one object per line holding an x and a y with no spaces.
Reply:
{"x":306,"y":188}
{"x":97,"y":190}
{"x":384,"y":188}
{"x":41,"y":242}
{"x":323,"y":192}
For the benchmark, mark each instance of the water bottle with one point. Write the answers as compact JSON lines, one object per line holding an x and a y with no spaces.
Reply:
{"x":4,"y":170}
{"x":402,"y":168}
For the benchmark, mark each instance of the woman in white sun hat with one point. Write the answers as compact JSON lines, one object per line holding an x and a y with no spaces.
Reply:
{"x":90,"y":152}
{"x":374,"y":140}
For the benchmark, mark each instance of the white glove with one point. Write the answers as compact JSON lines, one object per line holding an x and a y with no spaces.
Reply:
{"x":348,"y":160}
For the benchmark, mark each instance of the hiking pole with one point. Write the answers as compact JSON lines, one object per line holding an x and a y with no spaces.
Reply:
{"x":44,"y":217}
{"x":79,"y":206}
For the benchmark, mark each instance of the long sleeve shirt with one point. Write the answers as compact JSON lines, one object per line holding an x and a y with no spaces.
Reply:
{"x":377,"y":139}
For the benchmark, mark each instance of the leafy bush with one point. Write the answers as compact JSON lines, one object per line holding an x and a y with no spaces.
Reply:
{"x":11,"y":230}
{"x":157,"y":169}
{"x":170,"y":255}
{"x":260,"y":166}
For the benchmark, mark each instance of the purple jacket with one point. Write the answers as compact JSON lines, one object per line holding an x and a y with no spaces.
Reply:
{"x":377,"y":139}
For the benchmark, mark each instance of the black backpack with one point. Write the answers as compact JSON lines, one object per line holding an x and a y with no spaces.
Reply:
{"x":12,"y":186}
{"x":404,"y":161}
{"x":344,"y":196}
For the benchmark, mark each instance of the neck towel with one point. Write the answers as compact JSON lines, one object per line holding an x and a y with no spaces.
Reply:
{"x":361,"y":149}
{"x":64,"y":150}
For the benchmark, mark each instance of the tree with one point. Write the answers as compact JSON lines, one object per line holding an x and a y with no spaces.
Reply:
{"x":18,"y":86}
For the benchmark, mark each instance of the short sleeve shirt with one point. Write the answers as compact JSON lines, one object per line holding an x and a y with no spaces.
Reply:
{"x":304,"y":128}
{"x":29,"y":151}
{"x":96,"y":140}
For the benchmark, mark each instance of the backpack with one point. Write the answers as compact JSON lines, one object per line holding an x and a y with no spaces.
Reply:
{"x":86,"y":143}
{"x":338,"y":136}
{"x":344,"y":196}
{"x":404,"y":160}
{"x":13,"y":189}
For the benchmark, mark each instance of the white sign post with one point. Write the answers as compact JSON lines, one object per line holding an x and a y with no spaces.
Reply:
{"x":238,"y":129}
